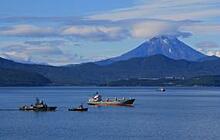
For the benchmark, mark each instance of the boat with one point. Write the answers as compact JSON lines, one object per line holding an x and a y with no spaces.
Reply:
{"x":162,"y":89}
{"x":80,"y":108}
{"x":38,"y":106}
{"x":97,"y":100}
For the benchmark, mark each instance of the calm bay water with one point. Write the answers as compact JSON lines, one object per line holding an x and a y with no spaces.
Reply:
{"x":179,"y":114}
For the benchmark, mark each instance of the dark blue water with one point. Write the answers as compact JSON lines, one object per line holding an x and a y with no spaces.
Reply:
{"x":179,"y":114}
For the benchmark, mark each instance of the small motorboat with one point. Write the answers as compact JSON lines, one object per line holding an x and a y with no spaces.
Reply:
{"x":161,"y":89}
{"x":80,"y":108}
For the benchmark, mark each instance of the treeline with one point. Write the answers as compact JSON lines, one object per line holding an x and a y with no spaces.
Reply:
{"x":213,"y":80}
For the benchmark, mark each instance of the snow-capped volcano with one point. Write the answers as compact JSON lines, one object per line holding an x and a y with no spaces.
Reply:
{"x":165,"y":45}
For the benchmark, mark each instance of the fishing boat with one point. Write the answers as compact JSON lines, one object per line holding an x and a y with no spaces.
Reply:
{"x":97,"y":100}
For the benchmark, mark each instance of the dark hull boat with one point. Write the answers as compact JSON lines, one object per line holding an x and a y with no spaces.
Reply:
{"x":28,"y":108}
{"x":78,"y":109}
{"x":39,"y":106}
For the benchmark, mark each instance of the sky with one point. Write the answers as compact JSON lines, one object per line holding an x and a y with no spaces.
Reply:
{"x":61,"y":32}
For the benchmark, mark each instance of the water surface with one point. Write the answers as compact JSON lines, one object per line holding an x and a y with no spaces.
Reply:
{"x":180,"y":113}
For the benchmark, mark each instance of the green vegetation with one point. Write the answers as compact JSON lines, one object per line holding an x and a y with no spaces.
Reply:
{"x":10,"y":77}
{"x":92,"y":74}
{"x":195,"y":81}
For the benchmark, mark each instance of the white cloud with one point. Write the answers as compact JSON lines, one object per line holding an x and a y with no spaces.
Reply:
{"x":189,"y":9}
{"x":165,"y":9}
{"x":201,"y":28}
{"x":95,"y":32}
{"x":213,"y":52}
{"x":22,"y":52}
{"x":99,"y":33}
{"x":150,"y":29}
{"x":46,"y":42}
{"x":143,"y":28}
{"x":51,"y":52}
{"x":196,"y":15}
{"x":209,"y":48}
{"x":25,"y":30}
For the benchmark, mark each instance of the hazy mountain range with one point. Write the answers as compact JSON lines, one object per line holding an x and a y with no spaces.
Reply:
{"x":159,"y":57}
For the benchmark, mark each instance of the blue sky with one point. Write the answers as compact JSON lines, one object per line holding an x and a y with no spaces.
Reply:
{"x":60,"y":32}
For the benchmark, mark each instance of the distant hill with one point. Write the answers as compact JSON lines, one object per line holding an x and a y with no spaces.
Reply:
{"x":161,"y":66}
{"x":93,"y":74}
{"x":168,"y":46}
{"x":213,"y":80}
{"x":12,"y":77}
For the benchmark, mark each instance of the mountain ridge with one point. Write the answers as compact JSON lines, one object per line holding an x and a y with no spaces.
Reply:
{"x":94,"y":74}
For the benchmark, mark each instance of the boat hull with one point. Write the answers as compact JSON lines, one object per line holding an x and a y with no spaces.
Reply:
{"x":39,"y":109}
{"x":77,"y":109}
{"x":128,"y":102}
